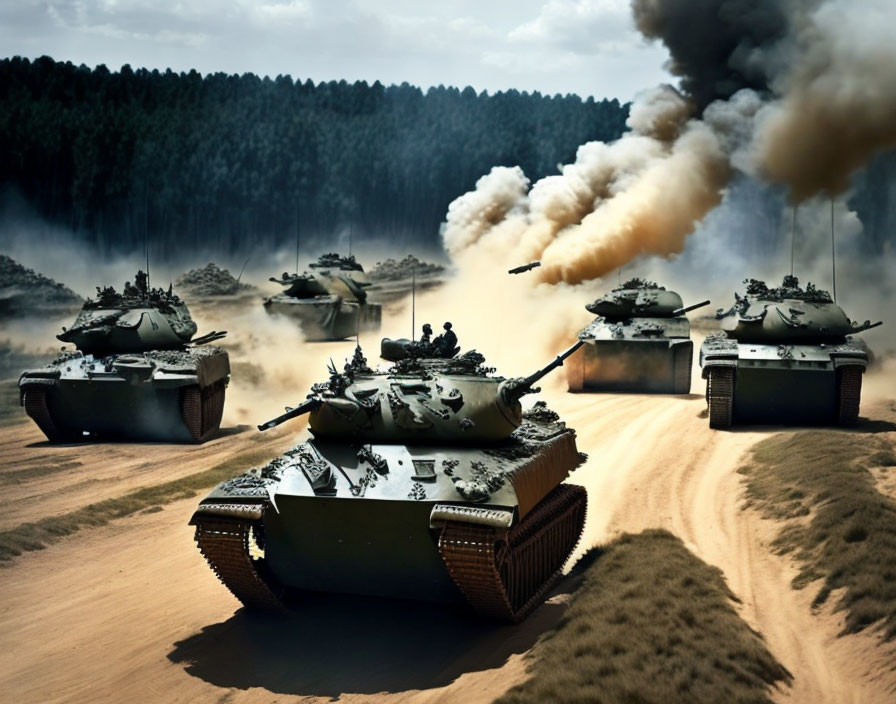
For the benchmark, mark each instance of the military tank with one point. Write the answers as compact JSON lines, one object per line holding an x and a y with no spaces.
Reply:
{"x":784,"y":355}
{"x":640,"y":341}
{"x":330,"y":301}
{"x":138,"y":372}
{"x":426,"y":481}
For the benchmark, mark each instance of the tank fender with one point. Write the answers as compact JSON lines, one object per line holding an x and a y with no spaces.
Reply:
{"x":499,"y":518}
{"x":842,"y":360}
{"x":252,"y":512}
{"x":30,"y":381}
{"x":717,"y":363}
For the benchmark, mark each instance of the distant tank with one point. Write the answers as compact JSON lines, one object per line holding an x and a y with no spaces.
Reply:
{"x":640,"y":341}
{"x":330,"y":301}
{"x":784,"y":355}
{"x":138,"y":374}
{"x":426,"y":481}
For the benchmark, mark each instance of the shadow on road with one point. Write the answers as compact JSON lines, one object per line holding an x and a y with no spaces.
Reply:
{"x":336,"y":645}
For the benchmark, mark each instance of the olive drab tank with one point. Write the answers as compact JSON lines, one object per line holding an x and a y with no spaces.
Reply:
{"x":640,"y":341}
{"x":425,"y":481}
{"x":329,"y":302}
{"x":137,"y":374}
{"x":784,"y":355}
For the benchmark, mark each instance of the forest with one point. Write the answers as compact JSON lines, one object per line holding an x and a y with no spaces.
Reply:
{"x":231,"y":162}
{"x":228,"y":161}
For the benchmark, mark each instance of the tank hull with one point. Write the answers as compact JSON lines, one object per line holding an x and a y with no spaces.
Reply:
{"x":327,"y":318}
{"x":128,"y":398}
{"x":750,"y":383}
{"x":271,"y":533}
{"x":632,"y":366}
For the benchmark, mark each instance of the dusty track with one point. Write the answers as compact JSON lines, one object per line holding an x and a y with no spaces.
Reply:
{"x":130,"y":611}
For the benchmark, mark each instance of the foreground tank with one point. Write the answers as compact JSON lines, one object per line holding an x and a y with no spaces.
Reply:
{"x":330,"y":301}
{"x":137,"y":374}
{"x":785,"y":355}
{"x":639,"y":342}
{"x":426,"y":481}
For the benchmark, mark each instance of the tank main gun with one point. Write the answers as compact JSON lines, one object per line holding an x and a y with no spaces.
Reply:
{"x":310,"y":404}
{"x":867,"y":325}
{"x":688,"y":309}
{"x":523,"y":268}
{"x":513,"y":390}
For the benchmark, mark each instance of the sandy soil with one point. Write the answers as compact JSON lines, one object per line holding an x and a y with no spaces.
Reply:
{"x":129,"y":611}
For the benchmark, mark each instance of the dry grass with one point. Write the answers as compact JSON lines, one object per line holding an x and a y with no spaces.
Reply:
{"x":650,"y":622}
{"x":837,"y":525}
{"x":38,"y":535}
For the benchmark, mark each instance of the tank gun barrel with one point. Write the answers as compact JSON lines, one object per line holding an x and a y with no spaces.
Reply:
{"x":867,"y":325}
{"x":524,"y":267}
{"x":514,"y":389}
{"x":210,"y":337}
{"x":305,"y":407}
{"x":688,"y":309}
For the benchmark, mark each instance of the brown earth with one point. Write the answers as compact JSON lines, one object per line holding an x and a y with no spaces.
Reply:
{"x":129,"y":610}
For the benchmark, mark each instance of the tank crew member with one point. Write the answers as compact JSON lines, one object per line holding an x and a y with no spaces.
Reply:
{"x":446,"y":343}
{"x":426,"y":337}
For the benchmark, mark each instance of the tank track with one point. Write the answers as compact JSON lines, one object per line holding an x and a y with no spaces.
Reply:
{"x":225,"y":542}
{"x":849,"y":392}
{"x":34,"y":398}
{"x":202,"y":409}
{"x":720,"y":397}
{"x":505,"y":579}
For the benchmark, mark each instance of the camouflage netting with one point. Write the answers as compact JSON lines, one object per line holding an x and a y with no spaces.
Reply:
{"x":25,"y":291}
{"x":211,"y":281}
{"x":392,"y":270}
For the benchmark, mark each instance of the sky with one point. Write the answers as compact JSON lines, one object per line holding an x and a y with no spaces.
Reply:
{"x":588,"y":47}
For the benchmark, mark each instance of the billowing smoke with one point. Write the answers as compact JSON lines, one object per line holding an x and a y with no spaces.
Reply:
{"x":798,"y":93}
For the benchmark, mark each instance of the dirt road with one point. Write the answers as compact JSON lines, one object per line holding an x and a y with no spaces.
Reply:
{"x":130,"y":611}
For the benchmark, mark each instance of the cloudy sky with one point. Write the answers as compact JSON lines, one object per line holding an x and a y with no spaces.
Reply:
{"x":555,"y":46}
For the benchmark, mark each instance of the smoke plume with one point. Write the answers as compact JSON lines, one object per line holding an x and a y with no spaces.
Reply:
{"x":798,"y":93}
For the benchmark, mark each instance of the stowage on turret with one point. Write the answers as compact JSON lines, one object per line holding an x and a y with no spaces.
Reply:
{"x":639,"y":342}
{"x":424,"y":481}
{"x":138,"y":373}
{"x":330,"y":301}
{"x":785,"y":355}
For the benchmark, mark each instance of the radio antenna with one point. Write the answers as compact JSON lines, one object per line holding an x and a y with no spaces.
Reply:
{"x":833,"y":254}
{"x":298,"y":231}
{"x":792,"y":238}
{"x":413,"y":303}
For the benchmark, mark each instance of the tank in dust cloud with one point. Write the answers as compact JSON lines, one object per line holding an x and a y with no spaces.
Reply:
{"x":784,"y":355}
{"x":426,"y":481}
{"x":330,"y":301}
{"x":640,"y":341}
{"x":137,"y":374}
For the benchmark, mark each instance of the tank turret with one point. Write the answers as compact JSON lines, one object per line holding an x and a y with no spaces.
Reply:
{"x":134,"y":320}
{"x":425,"y":480}
{"x":329,"y":301}
{"x":639,"y":342}
{"x":138,"y":372}
{"x":785,"y":354}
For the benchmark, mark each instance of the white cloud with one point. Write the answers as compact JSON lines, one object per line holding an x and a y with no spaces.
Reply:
{"x":581,"y":26}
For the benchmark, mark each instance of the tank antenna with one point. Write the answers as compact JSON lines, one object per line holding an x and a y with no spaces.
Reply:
{"x":244,"y":268}
{"x":350,"y":227}
{"x":297,"y":238}
{"x":792,"y":238}
{"x":146,"y":253}
{"x":833,"y":253}
{"x":413,"y":303}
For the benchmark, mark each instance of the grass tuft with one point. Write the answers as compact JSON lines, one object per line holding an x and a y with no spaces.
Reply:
{"x":28,"y":537}
{"x":650,"y":623}
{"x":837,"y":525}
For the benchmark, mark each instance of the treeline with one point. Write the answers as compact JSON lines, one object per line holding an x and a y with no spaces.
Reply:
{"x":227,"y":161}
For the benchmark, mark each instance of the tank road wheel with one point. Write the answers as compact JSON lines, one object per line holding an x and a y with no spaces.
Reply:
{"x":226,"y":542}
{"x":849,"y":393}
{"x":720,"y":397}
{"x":34,"y":398}
{"x":505,"y":579}
{"x":201,"y":409}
